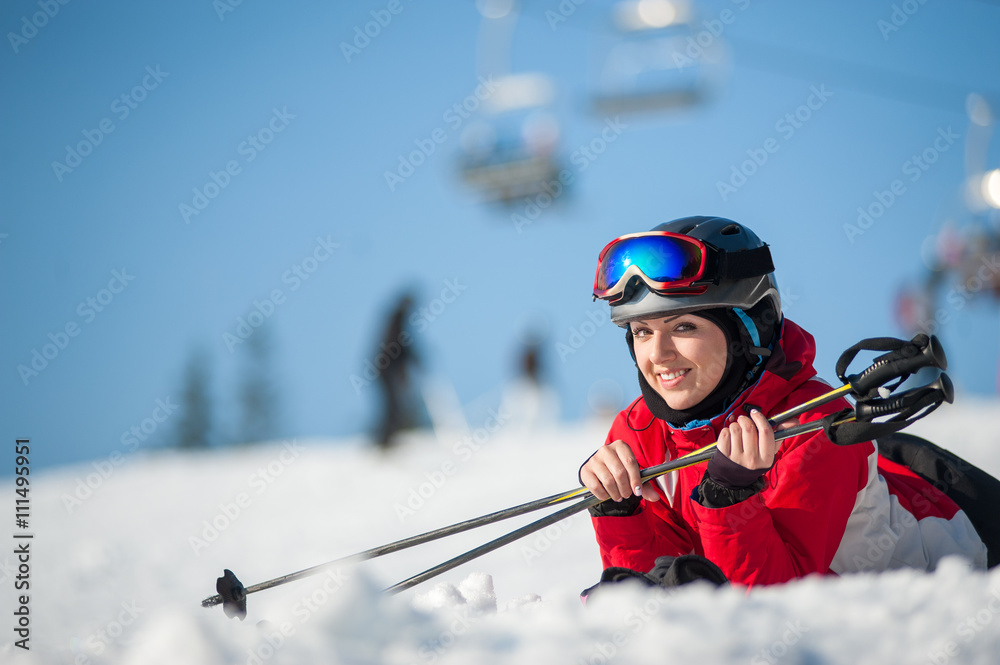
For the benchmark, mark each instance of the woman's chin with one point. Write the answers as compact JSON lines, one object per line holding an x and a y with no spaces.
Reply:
{"x":679,"y":398}
{"x":680,"y":406}
{"x":677,"y":402}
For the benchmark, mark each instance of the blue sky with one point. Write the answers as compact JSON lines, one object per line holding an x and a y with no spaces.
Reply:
{"x":198,"y":84}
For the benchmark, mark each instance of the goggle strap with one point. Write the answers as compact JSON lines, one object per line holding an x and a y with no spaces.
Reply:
{"x":745,"y":263}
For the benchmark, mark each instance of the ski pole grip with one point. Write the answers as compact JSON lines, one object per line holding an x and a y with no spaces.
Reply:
{"x":896,"y":412}
{"x":903,"y":359}
{"x":940,"y":390}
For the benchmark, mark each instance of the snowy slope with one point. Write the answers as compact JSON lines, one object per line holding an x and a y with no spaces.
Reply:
{"x":118,"y":575}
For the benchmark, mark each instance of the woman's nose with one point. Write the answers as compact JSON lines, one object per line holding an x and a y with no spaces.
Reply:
{"x":663,"y":350}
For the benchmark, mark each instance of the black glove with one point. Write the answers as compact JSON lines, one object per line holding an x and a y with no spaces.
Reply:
{"x":625,"y":508}
{"x":672,"y":572}
{"x":726,"y":483}
{"x":668,"y":572}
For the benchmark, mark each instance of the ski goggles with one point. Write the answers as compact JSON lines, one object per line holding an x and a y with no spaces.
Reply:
{"x":671,"y":263}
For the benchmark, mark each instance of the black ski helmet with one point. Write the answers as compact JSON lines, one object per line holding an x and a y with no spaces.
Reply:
{"x":744,"y":294}
{"x":747,"y":308}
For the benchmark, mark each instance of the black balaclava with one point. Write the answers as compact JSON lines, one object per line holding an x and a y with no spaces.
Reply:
{"x":742,"y":369}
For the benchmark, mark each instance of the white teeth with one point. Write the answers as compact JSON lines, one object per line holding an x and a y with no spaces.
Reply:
{"x":673,"y":375}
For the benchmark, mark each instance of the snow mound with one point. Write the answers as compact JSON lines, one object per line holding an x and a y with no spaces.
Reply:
{"x":121,"y":562}
{"x":899,"y":617}
{"x":476,"y":592}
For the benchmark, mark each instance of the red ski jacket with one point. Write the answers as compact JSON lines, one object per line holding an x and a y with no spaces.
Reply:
{"x":825,"y":508}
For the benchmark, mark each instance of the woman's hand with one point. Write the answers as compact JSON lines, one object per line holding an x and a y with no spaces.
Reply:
{"x":749,"y":442}
{"x":613,"y":473}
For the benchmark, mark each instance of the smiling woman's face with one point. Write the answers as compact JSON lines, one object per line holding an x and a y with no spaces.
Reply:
{"x":682,"y":357}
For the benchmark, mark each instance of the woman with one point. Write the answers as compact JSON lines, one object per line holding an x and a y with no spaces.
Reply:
{"x":702,"y":316}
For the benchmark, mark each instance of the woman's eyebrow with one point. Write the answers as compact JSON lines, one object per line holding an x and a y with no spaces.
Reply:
{"x":667,"y":320}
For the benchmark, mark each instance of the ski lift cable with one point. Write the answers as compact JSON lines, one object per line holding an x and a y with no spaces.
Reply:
{"x":803,"y":65}
{"x":876,"y":81}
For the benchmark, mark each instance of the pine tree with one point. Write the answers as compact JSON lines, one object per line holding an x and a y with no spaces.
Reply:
{"x":194,"y":430}
{"x":258,"y":396}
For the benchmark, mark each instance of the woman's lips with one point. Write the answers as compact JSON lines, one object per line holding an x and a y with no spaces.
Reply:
{"x":673,"y":378}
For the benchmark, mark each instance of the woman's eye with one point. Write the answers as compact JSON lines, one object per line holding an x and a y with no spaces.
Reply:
{"x":685,"y":327}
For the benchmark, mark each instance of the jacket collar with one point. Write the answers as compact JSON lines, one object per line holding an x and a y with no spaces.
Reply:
{"x":789,"y":366}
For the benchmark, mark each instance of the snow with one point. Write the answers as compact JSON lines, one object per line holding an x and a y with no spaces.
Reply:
{"x":118,"y":574}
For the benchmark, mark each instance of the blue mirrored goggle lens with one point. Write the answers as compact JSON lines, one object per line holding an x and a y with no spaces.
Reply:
{"x":660,"y":258}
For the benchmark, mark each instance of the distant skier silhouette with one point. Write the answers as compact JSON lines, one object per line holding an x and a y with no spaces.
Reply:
{"x":394,"y":358}
{"x":530,"y":369}
{"x":528,"y":402}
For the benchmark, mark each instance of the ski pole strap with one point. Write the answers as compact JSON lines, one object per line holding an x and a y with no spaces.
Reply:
{"x":903,"y":359}
{"x":905,"y":408}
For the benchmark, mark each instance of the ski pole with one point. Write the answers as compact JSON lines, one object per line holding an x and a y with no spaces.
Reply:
{"x":517,"y":534}
{"x":941,"y":388}
{"x":905,"y":358}
{"x":233,"y":595}
{"x":698,"y":456}
{"x":497,"y":516}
